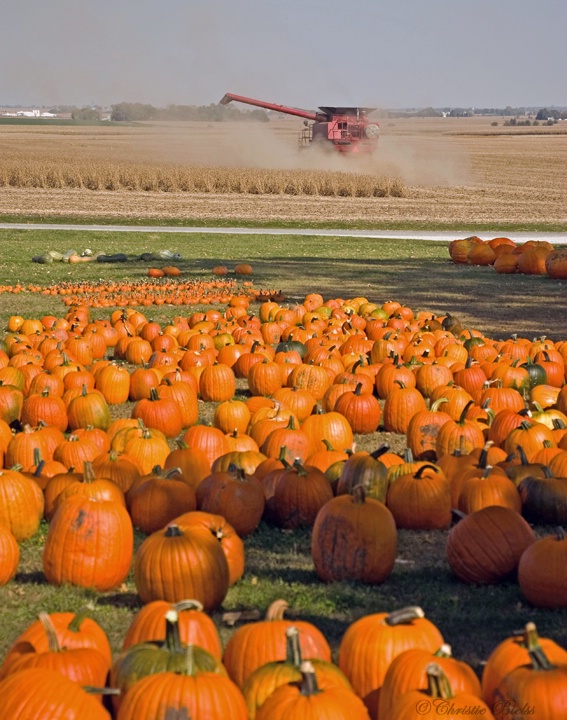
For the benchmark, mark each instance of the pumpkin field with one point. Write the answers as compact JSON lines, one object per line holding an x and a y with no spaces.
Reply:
{"x":238,"y":446}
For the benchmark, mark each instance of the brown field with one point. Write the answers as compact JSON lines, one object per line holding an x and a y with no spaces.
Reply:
{"x":441,"y":172}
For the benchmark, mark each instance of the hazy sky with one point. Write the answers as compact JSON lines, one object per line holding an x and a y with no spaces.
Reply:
{"x":306,"y":53}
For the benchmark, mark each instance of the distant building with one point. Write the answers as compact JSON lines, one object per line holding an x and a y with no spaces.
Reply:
{"x":30,"y":114}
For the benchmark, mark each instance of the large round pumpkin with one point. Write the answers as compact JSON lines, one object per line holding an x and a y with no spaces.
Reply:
{"x":89,"y":544}
{"x":354,"y":538}
{"x":199,"y":696}
{"x":173,"y":564}
{"x":370,"y":645}
{"x":485,"y":547}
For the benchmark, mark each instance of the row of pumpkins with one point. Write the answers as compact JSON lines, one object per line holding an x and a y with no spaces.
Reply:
{"x":391,"y":666}
{"x":163,"y":286}
{"x":392,"y":365}
{"x":534,"y":257}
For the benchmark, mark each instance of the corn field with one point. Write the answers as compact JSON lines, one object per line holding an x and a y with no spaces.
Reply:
{"x":217,"y":180}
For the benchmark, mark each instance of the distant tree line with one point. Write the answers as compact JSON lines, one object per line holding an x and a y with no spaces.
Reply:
{"x":136,"y":112}
{"x":132,"y":112}
{"x":511,"y":112}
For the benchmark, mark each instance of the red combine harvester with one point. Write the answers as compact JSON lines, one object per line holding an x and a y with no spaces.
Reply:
{"x":343,"y":129}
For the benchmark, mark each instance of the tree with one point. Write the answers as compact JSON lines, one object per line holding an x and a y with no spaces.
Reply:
{"x":87,"y":113}
{"x":130,"y":112}
{"x":545,"y":114}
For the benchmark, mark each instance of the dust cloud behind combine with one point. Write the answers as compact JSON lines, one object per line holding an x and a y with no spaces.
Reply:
{"x":426,"y":154}
{"x":418,"y":160}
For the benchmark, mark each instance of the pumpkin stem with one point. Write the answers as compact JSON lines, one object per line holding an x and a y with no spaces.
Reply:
{"x":52,"y":639}
{"x":291,"y":423}
{"x":293,"y":647}
{"x":484,"y":454}
{"x":173,"y":531}
{"x":539,"y":659}
{"x":282,"y":457}
{"x":171,"y":473}
{"x":309,"y":682}
{"x":91,"y":690}
{"x":382,"y":450}
{"x":523,"y":457}
{"x":445,"y":651}
{"x":404,"y":616}
{"x":457,"y":515}
{"x":438,"y":683}
{"x":276,"y":610}
{"x":77,"y":621}
{"x":437,"y":404}
{"x":300,"y":467}
{"x":88,"y":472}
{"x":419,"y":474}
{"x":172,"y":636}
{"x":463,"y":417}
{"x":187,"y":605}
{"x":190,"y":660}
{"x":36,"y":456}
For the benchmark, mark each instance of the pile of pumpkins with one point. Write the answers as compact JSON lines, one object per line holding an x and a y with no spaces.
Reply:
{"x":391,"y":666}
{"x":484,"y":423}
{"x":101,"y":431}
{"x":534,"y":257}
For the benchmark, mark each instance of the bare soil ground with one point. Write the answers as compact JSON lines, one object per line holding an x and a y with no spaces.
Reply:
{"x":457,"y":171}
